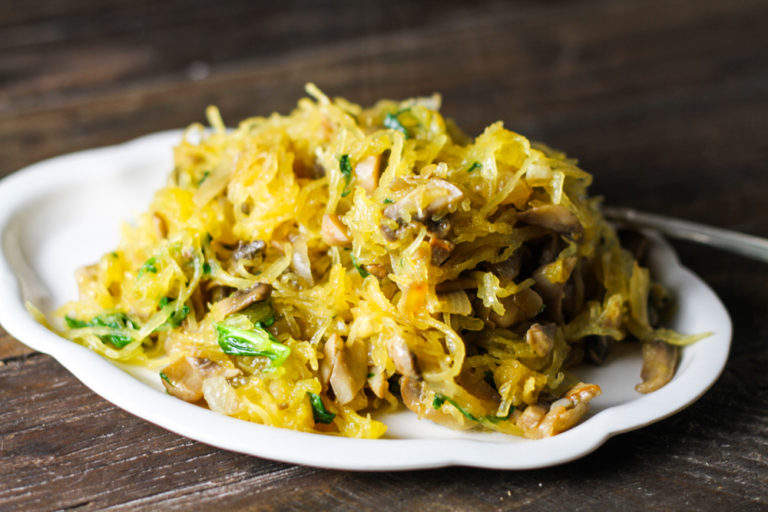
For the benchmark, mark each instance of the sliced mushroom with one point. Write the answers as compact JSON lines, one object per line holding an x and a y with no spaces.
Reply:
{"x":528,"y":302}
{"x":462,"y":283}
{"x":401,"y":355}
{"x":218,"y":293}
{"x":530,"y":418}
{"x":555,"y":217}
{"x":574,"y":291}
{"x":333,"y":231}
{"x":346,"y":368}
{"x":377,"y":270}
{"x":367,"y":173}
{"x":541,"y":338}
{"x":431,"y":200}
{"x":441,"y":250}
{"x":438,"y":228}
{"x":185,"y":376}
{"x":247,"y":250}
{"x":562,"y":414}
{"x":511,"y":316}
{"x":552,"y":295}
{"x":241,"y":299}
{"x":597,"y":348}
{"x":659,"y":363}
{"x":508,"y":269}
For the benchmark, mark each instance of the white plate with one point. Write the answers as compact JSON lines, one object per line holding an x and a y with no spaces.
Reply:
{"x":65,"y":212}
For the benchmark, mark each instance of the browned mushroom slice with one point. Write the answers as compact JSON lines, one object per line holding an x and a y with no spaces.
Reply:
{"x":659,"y":363}
{"x":441,"y":250}
{"x":597,"y":348}
{"x":377,"y":270}
{"x":508,"y":269}
{"x":541,"y":338}
{"x":528,"y":302}
{"x":438,"y":228}
{"x":511,"y":316}
{"x":574,"y":291}
{"x":247,"y":250}
{"x":555,"y":217}
{"x":241,"y":299}
{"x":562,"y":414}
{"x":462,"y":283}
{"x":184,"y":377}
{"x":401,"y":355}
{"x":552,"y":295}
{"x":345,"y":368}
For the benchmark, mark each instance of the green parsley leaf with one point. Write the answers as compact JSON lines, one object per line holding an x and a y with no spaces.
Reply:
{"x":254,"y":342}
{"x":165,"y":378}
{"x":346,"y":170}
{"x":392,"y":122}
{"x":360,"y":269}
{"x":388,"y":200}
{"x":319,"y":412}
{"x":475,"y":165}
{"x":440,"y":399}
{"x":111,"y":320}
{"x":148,"y":266}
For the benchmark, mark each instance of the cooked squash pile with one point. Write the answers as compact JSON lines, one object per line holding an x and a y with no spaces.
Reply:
{"x":306,"y":271}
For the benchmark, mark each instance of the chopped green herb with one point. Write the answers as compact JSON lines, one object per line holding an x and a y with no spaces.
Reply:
{"x":114,"y":254}
{"x":388,"y":200}
{"x":254,"y":342}
{"x":205,"y":177}
{"x":360,"y":269}
{"x":495,"y":419}
{"x":206,"y":268}
{"x":475,"y":165}
{"x":175,"y":319}
{"x":148,"y":266}
{"x":392,"y":122}
{"x":111,"y":320}
{"x":440,"y":399}
{"x":319,"y":412}
{"x":178,"y":316}
{"x":370,"y":375}
{"x":346,"y":170}
{"x":165,"y":378}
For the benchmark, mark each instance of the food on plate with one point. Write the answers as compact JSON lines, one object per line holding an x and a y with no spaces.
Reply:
{"x":308,"y":270}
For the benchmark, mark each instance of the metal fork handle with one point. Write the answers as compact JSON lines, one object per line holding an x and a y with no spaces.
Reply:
{"x":747,"y":245}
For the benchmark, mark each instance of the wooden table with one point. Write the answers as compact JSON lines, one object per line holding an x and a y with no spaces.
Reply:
{"x":664,"y":101}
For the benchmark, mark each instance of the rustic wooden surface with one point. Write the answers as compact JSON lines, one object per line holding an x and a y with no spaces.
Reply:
{"x":665,"y":101}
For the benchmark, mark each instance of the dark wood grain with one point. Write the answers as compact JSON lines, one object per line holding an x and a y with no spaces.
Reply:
{"x":665,"y":102}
